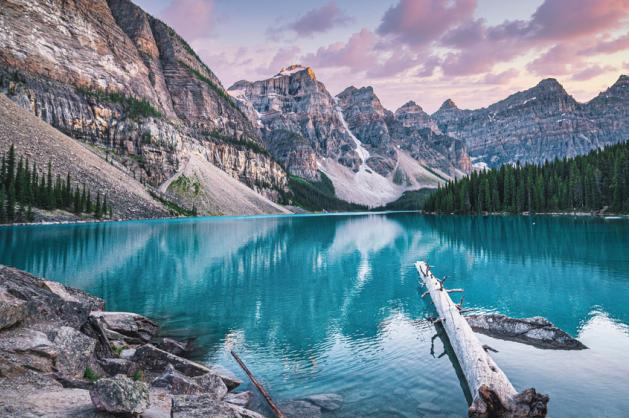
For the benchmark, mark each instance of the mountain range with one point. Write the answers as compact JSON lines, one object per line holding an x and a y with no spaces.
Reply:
{"x":128,"y":89}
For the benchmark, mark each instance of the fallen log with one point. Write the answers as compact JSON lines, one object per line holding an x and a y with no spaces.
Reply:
{"x":265,"y":394}
{"x":493,"y":395}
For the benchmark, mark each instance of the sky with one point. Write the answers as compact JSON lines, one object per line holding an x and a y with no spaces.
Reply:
{"x":472,"y":51}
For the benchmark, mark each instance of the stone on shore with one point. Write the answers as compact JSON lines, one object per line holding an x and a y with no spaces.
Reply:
{"x":173,"y":346}
{"x":120,"y":395}
{"x":76,"y":351}
{"x":300,"y":409}
{"x":12,"y":309}
{"x":131,"y":327}
{"x":535,"y":331}
{"x":180,"y":384}
{"x":154,"y":359}
{"x":241,"y":399}
{"x":203,"y":406}
{"x":115,"y":366}
{"x":326,"y":401}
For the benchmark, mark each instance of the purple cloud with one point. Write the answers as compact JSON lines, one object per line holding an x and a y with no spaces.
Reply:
{"x":420,"y":22}
{"x":319,"y":20}
{"x":591,"y":72}
{"x":501,"y":78}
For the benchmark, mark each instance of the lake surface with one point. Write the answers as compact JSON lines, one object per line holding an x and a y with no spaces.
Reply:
{"x":319,"y":304}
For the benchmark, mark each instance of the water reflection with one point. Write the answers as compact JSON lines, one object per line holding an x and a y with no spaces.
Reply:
{"x":330,"y":303}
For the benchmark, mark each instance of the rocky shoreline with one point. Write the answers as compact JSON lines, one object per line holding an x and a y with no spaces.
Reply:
{"x":62,"y":355}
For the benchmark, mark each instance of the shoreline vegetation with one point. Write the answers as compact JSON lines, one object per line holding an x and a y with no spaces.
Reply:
{"x":595,"y":182}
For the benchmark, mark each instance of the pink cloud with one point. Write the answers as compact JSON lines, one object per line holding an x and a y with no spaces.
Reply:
{"x":562,"y":19}
{"x":319,"y":20}
{"x":608,"y":47}
{"x":590,"y":72}
{"x":420,"y":22}
{"x":556,"y":61}
{"x":357,"y":53}
{"x":501,"y":78}
{"x":192,"y":19}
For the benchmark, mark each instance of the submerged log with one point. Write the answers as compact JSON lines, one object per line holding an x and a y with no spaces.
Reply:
{"x":493,"y":395}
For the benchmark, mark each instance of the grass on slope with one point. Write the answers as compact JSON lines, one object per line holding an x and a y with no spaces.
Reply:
{"x":318,"y":196}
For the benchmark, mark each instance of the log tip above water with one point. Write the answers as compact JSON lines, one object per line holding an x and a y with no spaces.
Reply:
{"x":526,"y":404}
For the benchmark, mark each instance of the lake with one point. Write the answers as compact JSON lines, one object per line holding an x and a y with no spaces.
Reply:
{"x":330,"y":303}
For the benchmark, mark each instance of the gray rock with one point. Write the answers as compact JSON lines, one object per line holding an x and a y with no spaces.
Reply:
{"x":228,"y":377}
{"x":152,"y":358}
{"x":134,"y":328}
{"x":76,"y":350}
{"x":300,"y":409}
{"x":326,"y":401}
{"x":177,"y":383}
{"x":12,"y":309}
{"x":203,"y":406}
{"x":173,"y":346}
{"x":46,"y":302}
{"x":241,"y":399}
{"x":535,"y":331}
{"x":115,"y":366}
{"x":127,"y":353}
{"x":120,"y":395}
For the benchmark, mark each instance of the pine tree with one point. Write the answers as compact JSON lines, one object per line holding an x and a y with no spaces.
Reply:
{"x":97,"y":209}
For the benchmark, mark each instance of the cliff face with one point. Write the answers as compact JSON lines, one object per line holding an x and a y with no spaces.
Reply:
{"x":295,"y":101}
{"x":107,"y":73}
{"x":539,"y":124}
{"x":409,"y":129}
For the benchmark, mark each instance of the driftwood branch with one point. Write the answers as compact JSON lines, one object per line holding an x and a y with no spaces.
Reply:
{"x":263,"y":391}
{"x":493,"y":395}
{"x":101,"y":335}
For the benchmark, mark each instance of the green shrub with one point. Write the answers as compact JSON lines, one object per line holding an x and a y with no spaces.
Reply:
{"x":135,"y":108}
{"x":90,"y":375}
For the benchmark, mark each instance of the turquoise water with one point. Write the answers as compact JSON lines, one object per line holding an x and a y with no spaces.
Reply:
{"x":317,"y":304}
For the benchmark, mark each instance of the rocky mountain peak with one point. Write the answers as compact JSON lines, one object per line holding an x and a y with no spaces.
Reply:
{"x":296,"y":68}
{"x":412,"y":115}
{"x":448,"y":104}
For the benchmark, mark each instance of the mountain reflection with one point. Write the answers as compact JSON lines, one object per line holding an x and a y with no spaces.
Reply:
{"x":292,"y":285}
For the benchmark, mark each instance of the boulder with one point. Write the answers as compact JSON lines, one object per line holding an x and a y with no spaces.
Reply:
{"x":228,"y":377}
{"x":535,"y":331}
{"x":241,"y":399}
{"x":203,"y":406}
{"x":127,"y":353}
{"x":326,"y":401}
{"x":76,"y":350}
{"x":173,"y":346}
{"x":131,"y":327}
{"x":120,"y":395}
{"x":12,"y":309}
{"x":115,"y":366}
{"x":46,"y":301}
{"x":180,"y":384}
{"x":300,"y":409}
{"x":152,"y":358}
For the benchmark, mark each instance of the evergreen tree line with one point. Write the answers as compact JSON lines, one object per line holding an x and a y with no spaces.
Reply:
{"x":586,"y":183}
{"x":23,"y":187}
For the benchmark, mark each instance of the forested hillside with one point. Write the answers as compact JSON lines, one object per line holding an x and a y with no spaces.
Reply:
{"x":591,"y":182}
{"x":23,"y":187}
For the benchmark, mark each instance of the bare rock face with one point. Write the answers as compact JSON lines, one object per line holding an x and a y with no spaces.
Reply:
{"x":409,"y":128}
{"x":539,"y":124}
{"x":179,"y":384}
{"x":134,"y":328}
{"x":12,"y":309}
{"x":107,"y":73}
{"x":75,"y":351}
{"x":295,"y":101}
{"x":204,"y":406}
{"x":120,"y":395}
